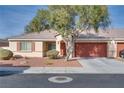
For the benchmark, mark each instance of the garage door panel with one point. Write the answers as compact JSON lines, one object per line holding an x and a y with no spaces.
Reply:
{"x":91,"y":50}
{"x":120,"y":46}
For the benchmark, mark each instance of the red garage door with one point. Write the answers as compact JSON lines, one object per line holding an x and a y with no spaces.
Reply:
{"x":91,"y":49}
{"x":120,"y":46}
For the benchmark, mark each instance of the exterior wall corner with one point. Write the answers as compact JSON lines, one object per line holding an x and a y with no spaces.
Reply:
{"x":111,"y":49}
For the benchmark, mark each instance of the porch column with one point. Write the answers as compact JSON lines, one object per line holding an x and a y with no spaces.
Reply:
{"x":42,"y":50}
{"x":58,"y":43}
{"x":58,"y":46}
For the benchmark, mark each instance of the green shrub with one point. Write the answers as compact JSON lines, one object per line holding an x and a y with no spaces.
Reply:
{"x":5,"y":54}
{"x":52,"y":54}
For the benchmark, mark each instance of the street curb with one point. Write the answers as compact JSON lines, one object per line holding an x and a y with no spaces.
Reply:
{"x":52,"y":70}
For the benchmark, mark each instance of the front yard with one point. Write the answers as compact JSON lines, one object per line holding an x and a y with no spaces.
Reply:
{"x":39,"y":62}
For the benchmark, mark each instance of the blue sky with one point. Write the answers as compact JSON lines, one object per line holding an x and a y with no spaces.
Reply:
{"x":13,"y":19}
{"x":117,"y":16}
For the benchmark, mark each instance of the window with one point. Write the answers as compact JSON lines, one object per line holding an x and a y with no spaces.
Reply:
{"x":51,"y":46}
{"x":25,"y":46}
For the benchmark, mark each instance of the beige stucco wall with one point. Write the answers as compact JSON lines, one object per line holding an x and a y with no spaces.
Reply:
{"x":58,"y":46}
{"x":111,"y":49}
{"x":39,"y":46}
{"x":37,"y":53}
{"x":58,"y":39}
{"x":13,"y":45}
{"x":29,"y":54}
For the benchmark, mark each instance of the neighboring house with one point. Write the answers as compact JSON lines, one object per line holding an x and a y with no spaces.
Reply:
{"x":89,"y":44}
{"x":4,"y":43}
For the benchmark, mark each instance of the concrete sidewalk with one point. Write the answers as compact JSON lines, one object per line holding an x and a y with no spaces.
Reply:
{"x":43,"y":70}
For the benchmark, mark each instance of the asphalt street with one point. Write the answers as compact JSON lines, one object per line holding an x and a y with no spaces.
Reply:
{"x":79,"y":81}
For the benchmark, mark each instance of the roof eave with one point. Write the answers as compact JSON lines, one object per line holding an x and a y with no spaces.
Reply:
{"x":32,"y":39}
{"x":100,"y":39}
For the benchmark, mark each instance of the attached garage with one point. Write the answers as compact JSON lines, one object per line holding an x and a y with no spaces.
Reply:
{"x":91,"y":49}
{"x":120,"y":46}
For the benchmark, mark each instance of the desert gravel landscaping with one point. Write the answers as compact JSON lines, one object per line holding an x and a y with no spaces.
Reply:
{"x":39,"y":62}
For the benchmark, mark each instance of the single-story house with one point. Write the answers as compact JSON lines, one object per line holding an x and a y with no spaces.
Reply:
{"x":89,"y":44}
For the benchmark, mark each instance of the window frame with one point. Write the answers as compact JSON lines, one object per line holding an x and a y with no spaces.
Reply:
{"x":51,"y":45}
{"x":25,"y":43}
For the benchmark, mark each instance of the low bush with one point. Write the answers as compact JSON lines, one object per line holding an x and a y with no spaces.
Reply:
{"x":5,"y":54}
{"x":17,"y":56}
{"x":52,"y":54}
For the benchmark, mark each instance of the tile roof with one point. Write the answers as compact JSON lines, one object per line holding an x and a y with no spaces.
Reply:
{"x":45,"y":35}
{"x":117,"y":34}
{"x":86,"y":35}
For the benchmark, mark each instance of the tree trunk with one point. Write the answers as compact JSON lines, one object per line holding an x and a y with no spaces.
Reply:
{"x":69,"y":48}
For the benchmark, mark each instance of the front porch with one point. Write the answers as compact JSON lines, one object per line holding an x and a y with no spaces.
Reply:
{"x":48,"y":45}
{"x":57,"y":45}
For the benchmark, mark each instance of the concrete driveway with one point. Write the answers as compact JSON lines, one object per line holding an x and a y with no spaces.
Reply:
{"x":102,"y":65}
